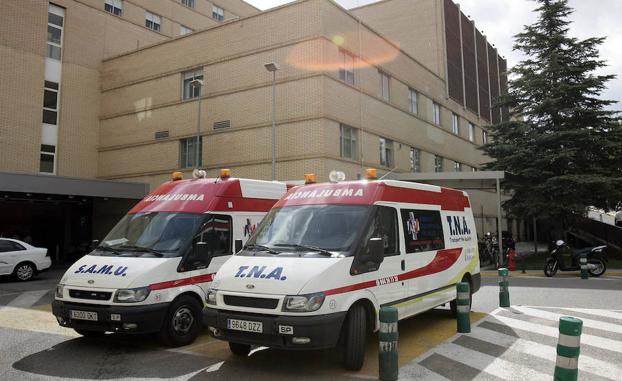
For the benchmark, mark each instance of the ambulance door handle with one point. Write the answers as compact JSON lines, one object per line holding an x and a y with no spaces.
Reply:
{"x":403,"y":265}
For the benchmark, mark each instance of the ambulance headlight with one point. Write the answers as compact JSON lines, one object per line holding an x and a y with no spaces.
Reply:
{"x":132,"y":295}
{"x":211,"y":296}
{"x":59,"y":290}
{"x":303,"y":303}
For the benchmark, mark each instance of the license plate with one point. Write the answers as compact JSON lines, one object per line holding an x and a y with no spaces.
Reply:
{"x":245,"y":325}
{"x":84,"y":315}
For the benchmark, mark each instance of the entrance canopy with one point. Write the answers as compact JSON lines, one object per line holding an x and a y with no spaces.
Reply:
{"x":57,"y":185}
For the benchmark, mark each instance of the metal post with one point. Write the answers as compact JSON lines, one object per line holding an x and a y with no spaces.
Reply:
{"x":387,"y":354}
{"x":499,"y":235}
{"x":197,"y":163}
{"x":504,"y":293}
{"x":583,"y":263}
{"x":568,"y":347}
{"x":535,"y":236}
{"x":273,"y":125}
{"x":463,"y":307}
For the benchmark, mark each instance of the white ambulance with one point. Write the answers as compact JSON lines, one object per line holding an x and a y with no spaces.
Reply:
{"x":328,"y":256}
{"x":152,"y":271}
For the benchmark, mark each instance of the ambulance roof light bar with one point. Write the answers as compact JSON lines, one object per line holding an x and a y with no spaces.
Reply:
{"x":177,"y":175}
{"x":225,"y":173}
{"x":310,"y":178}
{"x":371,"y":174}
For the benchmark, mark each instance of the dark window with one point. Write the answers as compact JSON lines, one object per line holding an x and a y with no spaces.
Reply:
{"x":50,"y":99}
{"x":216,"y":233}
{"x":423,"y":230}
{"x":49,"y":117}
{"x":48,"y":148}
{"x":54,"y":34}
{"x":46,"y":164}
{"x":51,"y":85}
{"x":188,"y":152}
{"x":55,"y":19}
{"x":348,"y":142}
{"x":188,"y":3}
{"x":346,"y":67}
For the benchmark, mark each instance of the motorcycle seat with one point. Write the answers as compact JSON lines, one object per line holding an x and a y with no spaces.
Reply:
{"x":578,"y":253}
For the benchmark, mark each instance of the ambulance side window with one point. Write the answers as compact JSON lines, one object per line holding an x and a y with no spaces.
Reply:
{"x":387,"y":229}
{"x":216,"y":232}
{"x":423,"y":230}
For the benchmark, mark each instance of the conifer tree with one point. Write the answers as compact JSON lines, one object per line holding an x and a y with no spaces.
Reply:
{"x":562,"y":146}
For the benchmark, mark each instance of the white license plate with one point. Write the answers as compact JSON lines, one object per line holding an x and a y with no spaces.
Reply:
{"x":84,"y":315}
{"x":245,"y":325}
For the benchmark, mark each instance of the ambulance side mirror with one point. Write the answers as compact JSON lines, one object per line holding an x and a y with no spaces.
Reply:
{"x":238,"y":246}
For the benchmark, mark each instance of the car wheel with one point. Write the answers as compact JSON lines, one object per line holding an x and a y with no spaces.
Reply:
{"x":24,"y":271}
{"x":240,"y":349}
{"x":182,"y":322}
{"x":87,"y":333}
{"x":354,"y":335}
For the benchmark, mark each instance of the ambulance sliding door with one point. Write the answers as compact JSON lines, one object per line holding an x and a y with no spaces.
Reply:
{"x":422,"y":231}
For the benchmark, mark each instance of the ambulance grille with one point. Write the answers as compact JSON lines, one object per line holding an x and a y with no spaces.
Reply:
{"x":245,"y":301}
{"x":91,"y":295}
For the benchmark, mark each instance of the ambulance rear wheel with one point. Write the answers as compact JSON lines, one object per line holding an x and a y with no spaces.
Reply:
{"x":354,"y":335}
{"x":239,"y":349}
{"x":182,"y":323}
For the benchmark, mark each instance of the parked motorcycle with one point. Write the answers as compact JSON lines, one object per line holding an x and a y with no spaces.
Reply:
{"x":563,"y":258}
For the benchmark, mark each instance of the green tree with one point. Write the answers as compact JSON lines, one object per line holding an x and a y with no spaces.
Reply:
{"x":562,"y":145}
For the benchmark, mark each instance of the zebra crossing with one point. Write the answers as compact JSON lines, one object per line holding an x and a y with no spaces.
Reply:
{"x":26,"y":299}
{"x":519,"y":343}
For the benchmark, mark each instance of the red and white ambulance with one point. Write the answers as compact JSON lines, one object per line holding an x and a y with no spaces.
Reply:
{"x":328,"y":256}
{"x":152,"y":271}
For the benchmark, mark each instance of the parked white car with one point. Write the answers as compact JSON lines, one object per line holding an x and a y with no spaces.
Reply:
{"x":21,"y":259}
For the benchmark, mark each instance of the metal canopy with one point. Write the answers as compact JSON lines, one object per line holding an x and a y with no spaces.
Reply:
{"x":480,"y":180}
{"x":48,"y":184}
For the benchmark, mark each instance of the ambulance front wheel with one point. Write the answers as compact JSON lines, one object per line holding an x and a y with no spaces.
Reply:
{"x":354,"y":333}
{"x":182,"y":323}
{"x":240,"y":349}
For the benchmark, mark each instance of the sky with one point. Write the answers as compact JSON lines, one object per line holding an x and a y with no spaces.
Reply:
{"x":500,"y":20}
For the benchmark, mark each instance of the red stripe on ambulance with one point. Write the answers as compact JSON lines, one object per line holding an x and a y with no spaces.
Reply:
{"x":443,"y":260}
{"x":204,"y":278}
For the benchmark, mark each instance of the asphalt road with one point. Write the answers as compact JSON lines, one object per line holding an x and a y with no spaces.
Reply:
{"x":34,"y":347}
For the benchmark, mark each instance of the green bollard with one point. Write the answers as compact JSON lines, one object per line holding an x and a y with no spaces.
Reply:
{"x":504,"y":293}
{"x":567,"y":364}
{"x":463,"y":306}
{"x":387,"y":353}
{"x":583,"y":263}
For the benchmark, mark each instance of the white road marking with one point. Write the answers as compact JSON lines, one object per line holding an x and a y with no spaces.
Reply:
{"x":546,"y":352}
{"x":595,"y":341}
{"x":555,"y":317}
{"x":492,"y":365}
{"x":604,"y":313}
{"x":27,"y":299}
{"x":214,"y":368}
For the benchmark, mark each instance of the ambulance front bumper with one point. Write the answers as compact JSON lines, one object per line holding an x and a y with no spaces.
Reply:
{"x":132,"y":319}
{"x":307,"y":332}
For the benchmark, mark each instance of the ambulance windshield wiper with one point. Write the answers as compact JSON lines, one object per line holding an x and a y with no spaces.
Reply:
{"x":107,"y":248}
{"x":319,"y":250}
{"x":141,"y":249}
{"x":262,"y":248}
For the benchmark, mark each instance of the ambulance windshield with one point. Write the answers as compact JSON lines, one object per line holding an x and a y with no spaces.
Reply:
{"x":332,"y":228}
{"x":160,"y":234}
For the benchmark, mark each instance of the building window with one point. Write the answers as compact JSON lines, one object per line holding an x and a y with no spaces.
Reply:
{"x":114,"y":6}
{"x":183,"y":30}
{"x":385,"y":85}
{"x":347,"y":142}
{"x":47,"y":158}
{"x":484,"y":137}
{"x":471,"y":132}
{"x":457,"y":166}
{"x":438,"y":163}
{"x":436,"y":113}
{"x":218,"y":13}
{"x":412,"y":100}
{"x":386,"y":152}
{"x":455,"y":124}
{"x":346,"y":67}
{"x":188,"y":152}
{"x":152,"y":21}
{"x":55,"y":31}
{"x":50,"y":102}
{"x":190,"y":89}
{"x":188,"y":3}
{"x":415,"y":160}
